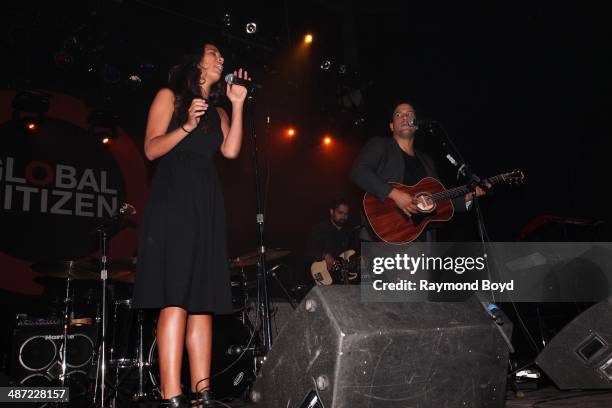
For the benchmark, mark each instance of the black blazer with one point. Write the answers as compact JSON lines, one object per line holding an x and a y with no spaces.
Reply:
{"x":381,"y":161}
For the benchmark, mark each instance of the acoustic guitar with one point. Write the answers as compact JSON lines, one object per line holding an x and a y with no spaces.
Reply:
{"x":391,"y":224}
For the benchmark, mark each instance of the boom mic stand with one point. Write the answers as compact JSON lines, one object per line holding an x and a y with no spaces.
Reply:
{"x":472,"y":181}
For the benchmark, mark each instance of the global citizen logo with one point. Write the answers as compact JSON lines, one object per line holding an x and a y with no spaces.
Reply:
{"x":59,"y":189}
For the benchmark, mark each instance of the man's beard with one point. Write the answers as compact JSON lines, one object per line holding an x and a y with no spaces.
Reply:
{"x":340,"y":223}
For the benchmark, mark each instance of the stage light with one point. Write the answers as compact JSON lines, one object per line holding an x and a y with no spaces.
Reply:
{"x":326,"y":65}
{"x":327,"y":140}
{"x":251,"y":28}
{"x":290,"y":133}
{"x":103,"y":125}
{"x":227,"y":20}
{"x":342,"y":69}
{"x":31,"y":126}
{"x":308,"y":39}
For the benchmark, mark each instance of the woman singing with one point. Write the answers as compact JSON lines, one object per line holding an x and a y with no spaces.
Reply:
{"x":182,"y":261}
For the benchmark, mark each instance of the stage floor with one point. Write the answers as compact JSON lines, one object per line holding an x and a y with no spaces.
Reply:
{"x":543,"y":398}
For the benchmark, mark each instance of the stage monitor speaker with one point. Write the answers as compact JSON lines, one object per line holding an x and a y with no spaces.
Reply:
{"x":580,"y":355}
{"x":339,"y":352}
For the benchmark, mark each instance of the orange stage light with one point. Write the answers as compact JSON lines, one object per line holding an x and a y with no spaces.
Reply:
{"x":106,"y":140}
{"x":31,"y":126}
{"x":308,"y":39}
{"x":327,"y":140}
{"x":290,"y":132}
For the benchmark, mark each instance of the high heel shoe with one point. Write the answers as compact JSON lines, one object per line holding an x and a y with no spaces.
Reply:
{"x":203,"y":399}
{"x":180,"y":401}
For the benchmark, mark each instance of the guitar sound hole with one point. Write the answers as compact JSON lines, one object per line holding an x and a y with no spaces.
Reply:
{"x":425,"y":203}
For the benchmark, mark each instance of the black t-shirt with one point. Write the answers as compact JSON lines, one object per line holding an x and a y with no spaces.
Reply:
{"x":413,"y":170}
{"x":325,"y":237}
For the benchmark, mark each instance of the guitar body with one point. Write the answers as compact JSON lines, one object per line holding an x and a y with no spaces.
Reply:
{"x":392,"y":225}
{"x":322,"y":276}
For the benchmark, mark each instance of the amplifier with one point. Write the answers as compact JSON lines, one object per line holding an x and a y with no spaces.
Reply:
{"x":37,"y":350}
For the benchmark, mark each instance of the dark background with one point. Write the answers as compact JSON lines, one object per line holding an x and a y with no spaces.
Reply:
{"x":516,"y":84}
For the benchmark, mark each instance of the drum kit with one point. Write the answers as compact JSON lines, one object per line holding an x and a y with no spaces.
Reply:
{"x":123,"y":350}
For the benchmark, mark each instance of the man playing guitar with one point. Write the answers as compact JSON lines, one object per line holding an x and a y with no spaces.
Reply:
{"x":385,"y":160}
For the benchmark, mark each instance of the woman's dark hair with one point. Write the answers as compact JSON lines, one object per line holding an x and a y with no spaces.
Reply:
{"x":184,"y":80}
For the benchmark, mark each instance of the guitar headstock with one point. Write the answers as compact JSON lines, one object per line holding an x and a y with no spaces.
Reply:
{"x":514,"y":177}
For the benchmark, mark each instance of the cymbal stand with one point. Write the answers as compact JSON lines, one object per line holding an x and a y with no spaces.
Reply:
{"x":67,"y":310}
{"x":101,"y":373}
{"x":141,"y":363}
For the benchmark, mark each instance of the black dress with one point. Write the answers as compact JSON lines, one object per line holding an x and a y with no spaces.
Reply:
{"x":182,"y":255}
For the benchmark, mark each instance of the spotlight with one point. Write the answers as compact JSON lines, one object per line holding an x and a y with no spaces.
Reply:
{"x":308,"y":39}
{"x":31,"y":126}
{"x":103,"y":125}
{"x":342,"y":69}
{"x":327,"y":140}
{"x":326,"y":65}
{"x":290,"y":132}
{"x":227,"y":20}
{"x":251,"y":28}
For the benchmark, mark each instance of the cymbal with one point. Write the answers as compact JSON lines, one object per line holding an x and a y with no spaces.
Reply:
{"x":123,"y":276}
{"x":252,"y":258}
{"x":74,"y":274}
{"x":61,"y":267}
{"x":119,"y":271}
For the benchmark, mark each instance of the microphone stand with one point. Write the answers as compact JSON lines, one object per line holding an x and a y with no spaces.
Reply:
{"x":472,"y":181}
{"x":262,"y":282}
{"x":103,"y":230}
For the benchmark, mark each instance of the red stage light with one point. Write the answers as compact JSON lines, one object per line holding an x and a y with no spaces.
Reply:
{"x":290,"y":132}
{"x":327,"y":140}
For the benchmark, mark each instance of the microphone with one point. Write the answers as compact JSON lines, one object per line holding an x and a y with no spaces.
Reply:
{"x":127,"y":208}
{"x":234,"y":80}
{"x":422,"y":122}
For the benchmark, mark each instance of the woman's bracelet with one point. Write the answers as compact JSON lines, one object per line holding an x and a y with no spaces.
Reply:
{"x":185,"y":130}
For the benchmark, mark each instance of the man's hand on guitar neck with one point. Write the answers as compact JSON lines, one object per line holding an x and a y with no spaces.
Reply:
{"x":404,"y":201}
{"x":479,"y":191}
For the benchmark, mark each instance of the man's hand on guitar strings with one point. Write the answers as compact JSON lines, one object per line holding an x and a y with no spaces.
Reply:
{"x":404,"y":201}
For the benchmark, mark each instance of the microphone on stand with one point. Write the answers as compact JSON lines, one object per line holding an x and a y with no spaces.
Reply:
{"x":127,"y":209}
{"x":422,"y":123}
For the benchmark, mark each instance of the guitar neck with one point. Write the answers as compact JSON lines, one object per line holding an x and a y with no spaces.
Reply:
{"x":463,"y":190}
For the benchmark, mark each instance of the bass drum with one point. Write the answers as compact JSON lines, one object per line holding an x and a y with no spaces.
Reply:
{"x":232,"y":370}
